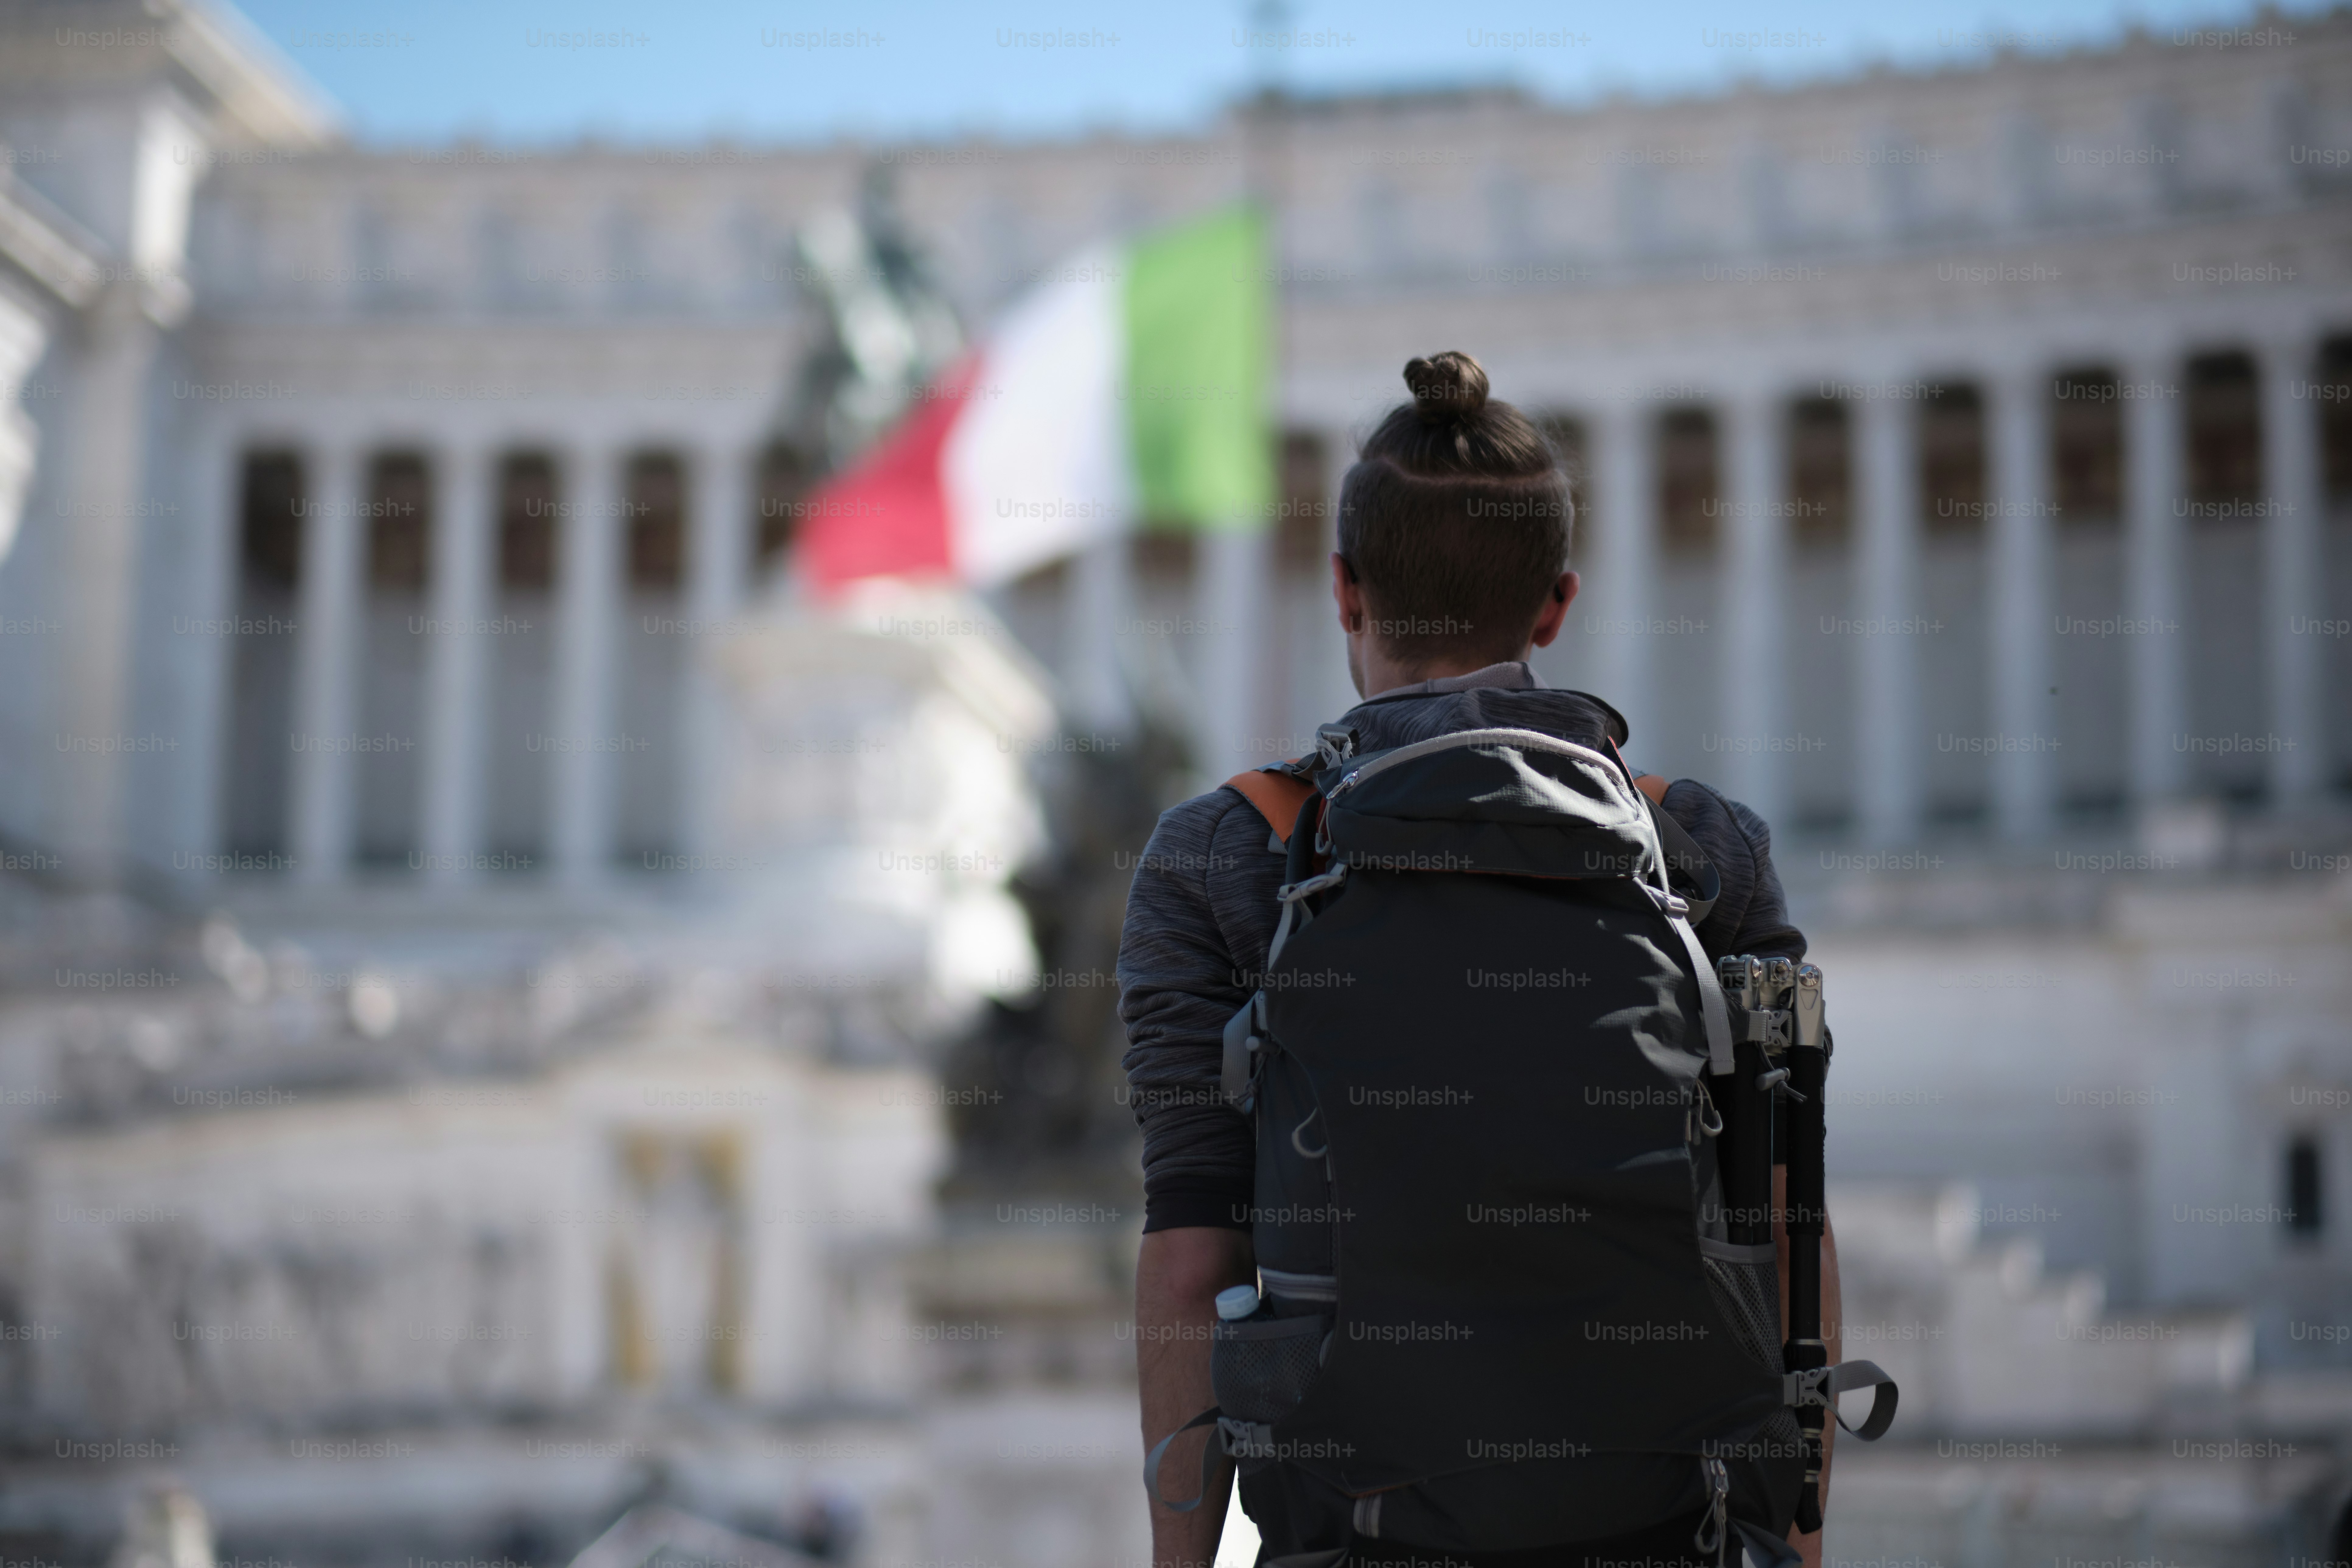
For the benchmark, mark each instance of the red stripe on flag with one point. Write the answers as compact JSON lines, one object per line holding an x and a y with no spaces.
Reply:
{"x":887,"y":514}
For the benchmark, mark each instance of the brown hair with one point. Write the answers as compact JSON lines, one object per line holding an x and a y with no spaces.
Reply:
{"x":1456,"y":520}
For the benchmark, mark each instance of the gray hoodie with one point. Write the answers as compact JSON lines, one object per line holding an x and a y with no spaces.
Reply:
{"x":1202,"y":913}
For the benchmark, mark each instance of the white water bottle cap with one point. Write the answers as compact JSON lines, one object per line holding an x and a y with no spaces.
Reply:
{"x":1236,"y":1301}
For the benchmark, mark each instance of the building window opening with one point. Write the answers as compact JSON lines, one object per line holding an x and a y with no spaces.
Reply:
{"x":527,"y":532}
{"x":400,"y":526}
{"x":2305,"y":1212}
{"x":1820,"y":484}
{"x":2086,"y":448}
{"x":1952,"y":460}
{"x":1689,"y":484}
{"x":2223,"y":414}
{"x":2331,"y":388}
{"x":656,"y":519}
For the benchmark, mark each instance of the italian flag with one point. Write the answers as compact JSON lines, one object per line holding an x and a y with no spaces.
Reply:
{"x":1127,"y":389}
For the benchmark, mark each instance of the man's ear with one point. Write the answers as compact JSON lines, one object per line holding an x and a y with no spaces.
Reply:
{"x":1555,"y":610}
{"x":1347,"y":594}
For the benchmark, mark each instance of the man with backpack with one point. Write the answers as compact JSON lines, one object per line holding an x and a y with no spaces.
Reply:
{"x":1431,"y":1159}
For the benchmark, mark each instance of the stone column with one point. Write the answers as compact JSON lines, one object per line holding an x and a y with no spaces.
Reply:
{"x":1099,"y":595}
{"x":326,"y":697}
{"x":1624,"y":560}
{"x":1886,"y":784}
{"x":2152,"y":549}
{"x":2293,"y":568}
{"x":1236,"y":562}
{"x":1328,"y":689}
{"x":2017,"y":427}
{"x":213,"y":561}
{"x":105,"y":496}
{"x":588,"y":615}
{"x":719,"y":565}
{"x":1754,"y":603}
{"x":457,"y":665}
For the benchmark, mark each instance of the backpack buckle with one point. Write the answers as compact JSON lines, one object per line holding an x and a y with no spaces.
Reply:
{"x":1243,"y":1038}
{"x":1291,"y":892}
{"x":1247,"y":1440}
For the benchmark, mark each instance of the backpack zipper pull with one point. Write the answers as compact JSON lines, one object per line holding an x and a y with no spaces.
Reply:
{"x":1701,"y":1112}
{"x":1709,"y":1539}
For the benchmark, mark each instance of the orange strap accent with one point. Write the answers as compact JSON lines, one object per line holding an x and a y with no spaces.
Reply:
{"x":1651,"y":784}
{"x":1277,"y":797}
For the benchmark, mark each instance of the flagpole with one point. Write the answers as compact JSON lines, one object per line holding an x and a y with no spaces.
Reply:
{"x":1234,"y":580}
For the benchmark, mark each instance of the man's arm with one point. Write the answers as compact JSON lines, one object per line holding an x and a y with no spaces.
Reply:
{"x":1177,"y":1276}
{"x":1832,"y":1321}
{"x":1185,"y":956}
{"x":1752,"y":916}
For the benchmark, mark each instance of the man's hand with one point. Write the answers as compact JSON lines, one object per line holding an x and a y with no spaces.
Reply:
{"x":1832,"y":1318}
{"x":1177,"y":1276}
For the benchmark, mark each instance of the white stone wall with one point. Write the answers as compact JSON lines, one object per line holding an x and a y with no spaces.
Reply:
{"x":451,"y":1249}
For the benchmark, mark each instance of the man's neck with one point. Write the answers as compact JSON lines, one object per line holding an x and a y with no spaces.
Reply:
{"x":1379,"y":674}
{"x":1402,"y":681}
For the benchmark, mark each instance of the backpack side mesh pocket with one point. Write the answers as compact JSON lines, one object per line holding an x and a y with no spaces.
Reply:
{"x":1745,"y":1282}
{"x":1260,"y":1367}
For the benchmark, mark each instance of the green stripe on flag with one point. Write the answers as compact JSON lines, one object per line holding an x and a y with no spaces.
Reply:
{"x":1198,"y":326}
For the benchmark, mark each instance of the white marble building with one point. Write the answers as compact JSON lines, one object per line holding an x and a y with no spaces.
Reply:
{"x":1965,"y":457}
{"x":2008,"y":356}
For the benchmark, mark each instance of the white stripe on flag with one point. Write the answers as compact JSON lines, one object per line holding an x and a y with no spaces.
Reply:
{"x":1038,"y":466}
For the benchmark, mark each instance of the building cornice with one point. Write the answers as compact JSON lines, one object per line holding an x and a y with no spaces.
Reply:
{"x":48,"y":247}
{"x":241,"y":88}
{"x":261,"y":95}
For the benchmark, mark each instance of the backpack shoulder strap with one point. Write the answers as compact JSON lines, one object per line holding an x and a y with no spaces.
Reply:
{"x":1682,"y":851}
{"x":1276,"y":795}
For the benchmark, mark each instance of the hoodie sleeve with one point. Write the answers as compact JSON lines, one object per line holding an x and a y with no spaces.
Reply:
{"x":1200,"y":916}
{"x":1752,"y":915}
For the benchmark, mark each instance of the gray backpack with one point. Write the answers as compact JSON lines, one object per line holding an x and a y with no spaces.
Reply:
{"x":1512,"y":1217}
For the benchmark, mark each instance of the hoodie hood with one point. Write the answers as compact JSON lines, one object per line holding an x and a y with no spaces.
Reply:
{"x":1504,"y":697}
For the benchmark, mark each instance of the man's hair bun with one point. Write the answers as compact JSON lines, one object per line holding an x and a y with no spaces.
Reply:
{"x":1446,"y":387}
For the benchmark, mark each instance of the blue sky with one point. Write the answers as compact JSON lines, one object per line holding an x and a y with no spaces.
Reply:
{"x":553,"y":71}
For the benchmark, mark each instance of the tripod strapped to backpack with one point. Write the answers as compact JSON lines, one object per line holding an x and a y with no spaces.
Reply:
{"x":1513,"y":1207}
{"x":1781,"y":1044}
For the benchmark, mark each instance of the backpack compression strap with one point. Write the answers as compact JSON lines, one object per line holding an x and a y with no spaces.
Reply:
{"x":1283,"y":799}
{"x":1822,"y":1385}
{"x":1222,"y":1441}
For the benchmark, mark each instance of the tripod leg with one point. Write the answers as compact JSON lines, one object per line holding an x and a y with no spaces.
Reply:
{"x":1744,"y":1149}
{"x":1807,"y":1212}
